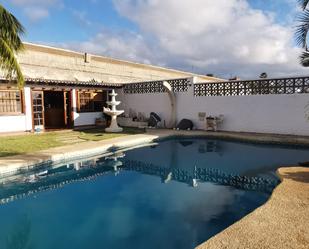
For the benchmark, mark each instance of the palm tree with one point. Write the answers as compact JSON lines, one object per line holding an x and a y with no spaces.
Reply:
{"x":10,"y":44}
{"x":302,"y":32}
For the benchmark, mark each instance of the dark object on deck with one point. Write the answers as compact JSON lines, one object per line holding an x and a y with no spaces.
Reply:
{"x":153,"y":120}
{"x":185,"y":124}
{"x":304,"y":164}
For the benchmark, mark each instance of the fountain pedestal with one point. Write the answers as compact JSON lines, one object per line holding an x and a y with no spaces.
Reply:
{"x":113,"y":126}
{"x":113,"y":113}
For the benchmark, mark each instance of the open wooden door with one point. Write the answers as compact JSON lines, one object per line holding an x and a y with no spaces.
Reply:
{"x":38,"y":110}
{"x":68,"y":114}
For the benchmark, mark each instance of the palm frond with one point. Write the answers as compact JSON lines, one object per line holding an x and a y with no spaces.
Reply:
{"x":303,"y":3}
{"x":11,"y":29}
{"x":302,"y":29}
{"x":10,"y":64}
{"x":10,"y":43}
{"x":304,"y":59}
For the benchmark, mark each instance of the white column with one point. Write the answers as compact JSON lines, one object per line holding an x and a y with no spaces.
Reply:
{"x":172,"y":97}
{"x":74,"y":104}
{"x":28,"y":108}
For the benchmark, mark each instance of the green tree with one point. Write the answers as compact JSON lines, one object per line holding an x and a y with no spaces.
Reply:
{"x":10,"y":44}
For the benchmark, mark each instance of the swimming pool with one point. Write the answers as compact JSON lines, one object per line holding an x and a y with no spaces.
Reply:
{"x":174,"y":194}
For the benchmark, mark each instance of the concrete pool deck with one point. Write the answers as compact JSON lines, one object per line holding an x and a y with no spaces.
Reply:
{"x":282,"y":222}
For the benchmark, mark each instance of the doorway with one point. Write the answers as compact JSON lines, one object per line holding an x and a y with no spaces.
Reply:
{"x":52,"y":109}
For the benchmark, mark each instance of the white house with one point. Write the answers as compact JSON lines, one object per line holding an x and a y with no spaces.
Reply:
{"x":66,"y":89}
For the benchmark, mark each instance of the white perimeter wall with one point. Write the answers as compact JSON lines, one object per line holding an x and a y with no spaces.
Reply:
{"x":280,"y":114}
{"x":146,"y":103}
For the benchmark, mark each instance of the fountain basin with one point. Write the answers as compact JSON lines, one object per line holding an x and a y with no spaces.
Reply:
{"x":113,"y":103}
{"x":111,"y":112}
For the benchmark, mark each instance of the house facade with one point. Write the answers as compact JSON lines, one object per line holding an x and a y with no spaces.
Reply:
{"x":66,"y":89}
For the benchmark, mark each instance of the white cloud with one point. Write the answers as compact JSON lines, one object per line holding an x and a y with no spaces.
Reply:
{"x":36,"y":10}
{"x":34,"y":2}
{"x":224,"y":37}
{"x":36,"y":13}
{"x":82,"y":17}
{"x":122,"y":45}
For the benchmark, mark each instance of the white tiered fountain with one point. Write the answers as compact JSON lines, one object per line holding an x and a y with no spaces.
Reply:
{"x":113,"y":113}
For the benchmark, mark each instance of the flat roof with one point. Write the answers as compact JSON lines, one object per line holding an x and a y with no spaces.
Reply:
{"x":67,"y":52}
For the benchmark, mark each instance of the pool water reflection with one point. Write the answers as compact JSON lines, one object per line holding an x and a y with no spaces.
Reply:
{"x":176,"y":194}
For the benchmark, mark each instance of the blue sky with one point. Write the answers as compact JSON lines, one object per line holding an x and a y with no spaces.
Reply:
{"x":224,"y":37}
{"x":283,"y":10}
{"x":66,"y":21}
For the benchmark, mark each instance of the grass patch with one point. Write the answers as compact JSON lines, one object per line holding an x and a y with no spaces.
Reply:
{"x":21,"y":144}
{"x":99,"y":134}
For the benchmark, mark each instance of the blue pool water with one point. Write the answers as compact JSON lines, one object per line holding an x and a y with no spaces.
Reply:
{"x":176,"y":194}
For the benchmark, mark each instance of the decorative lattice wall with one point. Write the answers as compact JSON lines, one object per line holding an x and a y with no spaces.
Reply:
{"x":178,"y":85}
{"x":253,"y":87}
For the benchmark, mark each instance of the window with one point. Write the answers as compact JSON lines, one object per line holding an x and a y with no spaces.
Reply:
{"x":10,"y":102}
{"x":92,"y":101}
{"x":85,"y":104}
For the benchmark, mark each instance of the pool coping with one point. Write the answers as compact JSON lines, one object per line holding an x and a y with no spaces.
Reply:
{"x":279,"y":223}
{"x":257,"y":138}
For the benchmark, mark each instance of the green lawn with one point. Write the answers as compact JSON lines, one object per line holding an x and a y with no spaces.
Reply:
{"x":20,"y":144}
{"x":97,"y":134}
